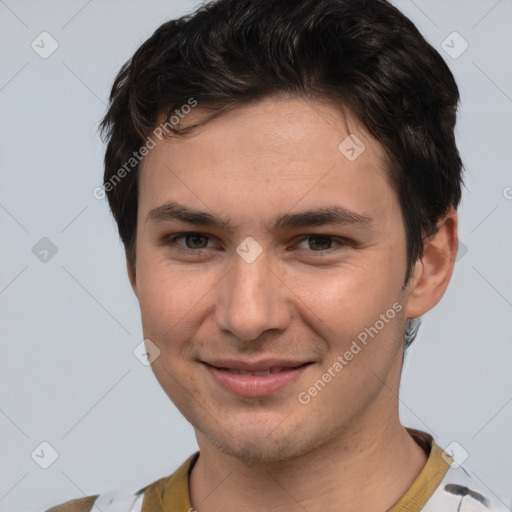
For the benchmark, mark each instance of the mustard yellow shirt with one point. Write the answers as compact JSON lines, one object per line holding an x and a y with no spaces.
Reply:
{"x":171,"y":494}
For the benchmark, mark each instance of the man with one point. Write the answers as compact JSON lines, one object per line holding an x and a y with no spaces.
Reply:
{"x":285,"y":180}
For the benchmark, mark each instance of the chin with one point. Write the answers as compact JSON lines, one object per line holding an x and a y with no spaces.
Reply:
{"x":251,"y":451}
{"x":256,"y":444}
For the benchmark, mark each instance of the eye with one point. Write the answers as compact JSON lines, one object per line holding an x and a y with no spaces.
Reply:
{"x":193,"y":241}
{"x":323,"y":243}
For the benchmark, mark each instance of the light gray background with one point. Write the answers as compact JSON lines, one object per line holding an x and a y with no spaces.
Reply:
{"x":68,"y":326}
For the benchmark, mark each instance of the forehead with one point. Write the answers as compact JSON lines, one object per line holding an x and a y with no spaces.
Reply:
{"x":276,"y":122}
{"x":265,"y":155}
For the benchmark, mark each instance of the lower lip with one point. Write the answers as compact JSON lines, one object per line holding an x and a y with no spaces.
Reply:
{"x":254,"y":386}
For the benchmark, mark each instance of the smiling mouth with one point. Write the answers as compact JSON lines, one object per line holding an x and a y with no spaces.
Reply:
{"x":268,"y":371}
{"x":255,"y":383}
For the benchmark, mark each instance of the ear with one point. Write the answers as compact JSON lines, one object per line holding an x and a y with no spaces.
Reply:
{"x":131,"y":275}
{"x":433,"y":270}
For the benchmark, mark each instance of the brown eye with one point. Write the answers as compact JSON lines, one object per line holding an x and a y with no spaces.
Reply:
{"x":192,"y":240}
{"x":195,"y":241}
{"x":321,"y":243}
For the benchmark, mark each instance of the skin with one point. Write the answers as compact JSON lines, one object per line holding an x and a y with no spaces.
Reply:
{"x":303,"y":298}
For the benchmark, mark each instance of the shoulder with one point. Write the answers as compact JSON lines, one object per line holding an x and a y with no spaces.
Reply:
{"x":119,"y":500}
{"x":173,"y":487}
{"x":461,"y":491}
{"x":79,"y":505}
{"x":115,"y":501}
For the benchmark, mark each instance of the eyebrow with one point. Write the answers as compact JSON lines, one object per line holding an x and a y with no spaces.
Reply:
{"x":336,"y":215}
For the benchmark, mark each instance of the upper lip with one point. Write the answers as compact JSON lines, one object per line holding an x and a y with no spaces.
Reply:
{"x":255,"y":366}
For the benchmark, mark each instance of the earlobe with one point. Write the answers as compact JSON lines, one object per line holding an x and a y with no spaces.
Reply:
{"x":434,"y":269}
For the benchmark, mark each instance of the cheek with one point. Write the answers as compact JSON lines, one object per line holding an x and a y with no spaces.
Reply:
{"x":171,"y":296}
{"x":344,"y":307}
{"x":349,"y":295}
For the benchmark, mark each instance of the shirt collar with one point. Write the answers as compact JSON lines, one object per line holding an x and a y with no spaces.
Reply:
{"x":171,"y":494}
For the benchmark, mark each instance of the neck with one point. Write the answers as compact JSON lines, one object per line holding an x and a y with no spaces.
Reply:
{"x":368,"y":471}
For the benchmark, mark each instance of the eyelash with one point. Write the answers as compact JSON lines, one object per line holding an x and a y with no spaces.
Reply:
{"x":172,"y":239}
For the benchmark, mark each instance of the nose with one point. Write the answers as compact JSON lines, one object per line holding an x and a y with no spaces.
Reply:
{"x":252,"y":299}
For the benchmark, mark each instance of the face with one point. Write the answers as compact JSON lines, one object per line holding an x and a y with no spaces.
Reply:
{"x":262,"y":246}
